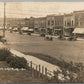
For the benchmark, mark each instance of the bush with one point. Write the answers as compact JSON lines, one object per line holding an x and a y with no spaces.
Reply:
{"x":14,"y":61}
{"x":17,"y":62}
{"x":4,"y":53}
{"x":9,"y":59}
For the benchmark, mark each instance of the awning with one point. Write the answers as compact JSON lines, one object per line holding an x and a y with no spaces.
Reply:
{"x":79,"y":30}
{"x":24,"y":28}
{"x":30,"y":30}
{"x":15,"y":29}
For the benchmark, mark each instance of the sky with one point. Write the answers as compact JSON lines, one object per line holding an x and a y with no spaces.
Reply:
{"x":38,"y":9}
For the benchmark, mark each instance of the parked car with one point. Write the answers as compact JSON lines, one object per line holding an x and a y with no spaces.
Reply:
{"x":15,"y":29}
{"x":29,"y":33}
{"x":31,"y":30}
{"x":24,"y":30}
{"x":48,"y":37}
{"x":72,"y":39}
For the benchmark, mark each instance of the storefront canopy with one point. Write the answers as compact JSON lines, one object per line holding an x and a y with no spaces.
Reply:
{"x":24,"y":28}
{"x":79,"y":30}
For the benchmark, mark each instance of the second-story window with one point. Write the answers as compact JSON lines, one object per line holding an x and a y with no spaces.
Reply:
{"x":52,"y":22}
{"x":68,"y":23}
{"x":49,"y":22}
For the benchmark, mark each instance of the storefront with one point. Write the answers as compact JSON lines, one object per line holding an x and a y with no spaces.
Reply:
{"x":49,"y":31}
{"x":79,"y":32}
{"x":58,"y":31}
{"x":68,"y":31}
{"x":43,"y":30}
{"x":36,"y":30}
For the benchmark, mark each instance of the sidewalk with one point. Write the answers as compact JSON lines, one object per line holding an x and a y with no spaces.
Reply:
{"x":33,"y":34}
{"x":36,"y":61}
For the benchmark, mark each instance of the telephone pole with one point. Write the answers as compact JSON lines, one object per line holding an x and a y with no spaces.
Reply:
{"x":4,"y":19}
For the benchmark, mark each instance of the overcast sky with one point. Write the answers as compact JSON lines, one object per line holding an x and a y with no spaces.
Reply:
{"x":37,"y":9}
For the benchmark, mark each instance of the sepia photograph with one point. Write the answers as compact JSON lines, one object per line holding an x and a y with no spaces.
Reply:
{"x":42,"y":42}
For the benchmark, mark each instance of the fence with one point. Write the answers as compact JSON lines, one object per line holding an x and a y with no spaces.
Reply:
{"x":39,"y":70}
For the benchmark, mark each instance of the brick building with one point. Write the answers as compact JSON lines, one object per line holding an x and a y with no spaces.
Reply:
{"x":58,"y":24}
{"x":69,"y":24}
{"x":36,"y":25}
{"x":54,"y":24}
{"x":50,"y":24}
{"x":31,"y":22}
{"x":42,"y":25}
{"x":79,"y":23}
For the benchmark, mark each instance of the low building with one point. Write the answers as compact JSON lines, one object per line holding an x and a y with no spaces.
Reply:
{"x":15,"y":22}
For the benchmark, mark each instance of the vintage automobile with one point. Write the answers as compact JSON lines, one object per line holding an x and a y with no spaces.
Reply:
{"x":24,"y":30}
{"x":15,"y":29}
{"x":48,"y":37}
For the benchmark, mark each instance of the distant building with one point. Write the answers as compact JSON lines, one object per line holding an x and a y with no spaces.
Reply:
{"x":42,"y":24}
{"x":26,"y":22}
{"x":54,"y":24}
{"x":31,"y":22}
{"x":50,"y":24}
{"x":15,"y":22}
{"x":69,"y":24}
{"x":58,"y":24}
{"x":36,"y":25}
{"x":79,"y":22}
{"x":79,"y":18}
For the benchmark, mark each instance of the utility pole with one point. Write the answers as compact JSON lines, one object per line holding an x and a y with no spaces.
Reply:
{"x":4,"y":20}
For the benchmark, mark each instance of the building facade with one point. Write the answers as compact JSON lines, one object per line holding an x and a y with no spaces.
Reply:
{"x":31,"y":22}
{"x":26,"y":22}
{"x":79,"y":19}
{"x":42,"y":23}
{"x":69,"y":24}
{"x":58,"y":24}
{"x":15,"y":22}
{"x":36,"y":25}
{"x":79,"y":23}
{"x":50,"y":24}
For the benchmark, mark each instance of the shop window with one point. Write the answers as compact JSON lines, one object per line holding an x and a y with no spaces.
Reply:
{"x":49,"y":22}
